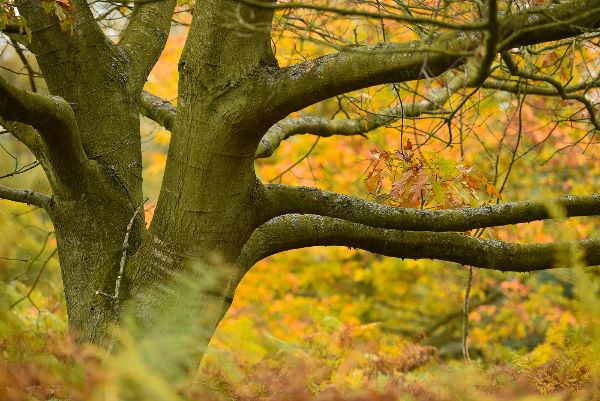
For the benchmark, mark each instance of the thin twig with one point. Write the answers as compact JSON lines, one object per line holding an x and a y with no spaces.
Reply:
{"x":115,"y":296}
{"x":465,"y":325}
{"x":30,"y":72}
{"x":35,"y":282}
{"x":280,"y":175}
{"x":35,"y":258}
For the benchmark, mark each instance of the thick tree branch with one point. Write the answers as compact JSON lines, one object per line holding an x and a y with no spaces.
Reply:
{"x":365,"y":13}
{"x":25,"y":196}
{"x":294,"y":231}
{"x":317,"y":126}
{"x":146,"y":36}
{"x":56,"y":142}
{"x":358,"y":126}
{"x":163,"y":113}
{"x":323,"y":127}
{"x":26,"y":134}
{"x":31,"y":138}
{"x":284,"y":199}
{"x":52,"y":116}
{"x":306,"y":83}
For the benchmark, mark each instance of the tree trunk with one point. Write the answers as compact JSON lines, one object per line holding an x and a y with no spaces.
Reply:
{"x":208,"y":204}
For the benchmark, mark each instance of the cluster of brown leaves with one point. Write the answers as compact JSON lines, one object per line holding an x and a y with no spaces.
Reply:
{"x":409,"y":177}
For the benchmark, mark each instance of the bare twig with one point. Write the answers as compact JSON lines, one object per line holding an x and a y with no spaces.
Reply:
{"x":35,"y":282}
{"x":465,"y":324}
{"x":30,"y":72}
{"x":280,"y":175}
{"x":560,"y":89}
{"x":125,"y":247}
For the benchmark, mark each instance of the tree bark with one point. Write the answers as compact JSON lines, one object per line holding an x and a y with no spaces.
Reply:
{"x":208,"y":204}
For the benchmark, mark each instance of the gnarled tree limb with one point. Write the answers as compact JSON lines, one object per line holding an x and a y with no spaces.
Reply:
{"x":284,"y":199}
{"x":51,"y":115}
{"x":358,"y":126}
{"x":163,"y":112}
{"x":26,"y":134}
{"x":309,"y":82}
{"x":294,"y":231}
{"x":55,"y":123}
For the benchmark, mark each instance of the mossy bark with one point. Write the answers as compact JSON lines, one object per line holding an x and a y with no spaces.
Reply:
{"x":209,"y":198}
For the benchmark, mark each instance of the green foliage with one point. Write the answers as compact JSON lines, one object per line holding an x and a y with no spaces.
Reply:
{"x":62,"y":9}
{"x":9,"y":16}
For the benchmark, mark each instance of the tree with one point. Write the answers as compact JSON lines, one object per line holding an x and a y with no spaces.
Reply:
{"x":233,"y":106}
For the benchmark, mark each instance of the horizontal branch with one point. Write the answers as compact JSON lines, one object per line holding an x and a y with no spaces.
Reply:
{"x":357,"y":126}
{"x":284,"y":199}
{"x":308,"y":125}
{"x":525,"y":88}
{"x":25,"y":196}
{"x":163,"y":113}
{"x":158,"y":109}
{"x":294,"y":231}
{"x":306,"y":83}
{"x":324,"y":127}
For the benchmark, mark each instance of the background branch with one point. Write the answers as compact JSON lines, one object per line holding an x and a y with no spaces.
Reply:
{"x":558,"y":87}
{"x":520,"y":88}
